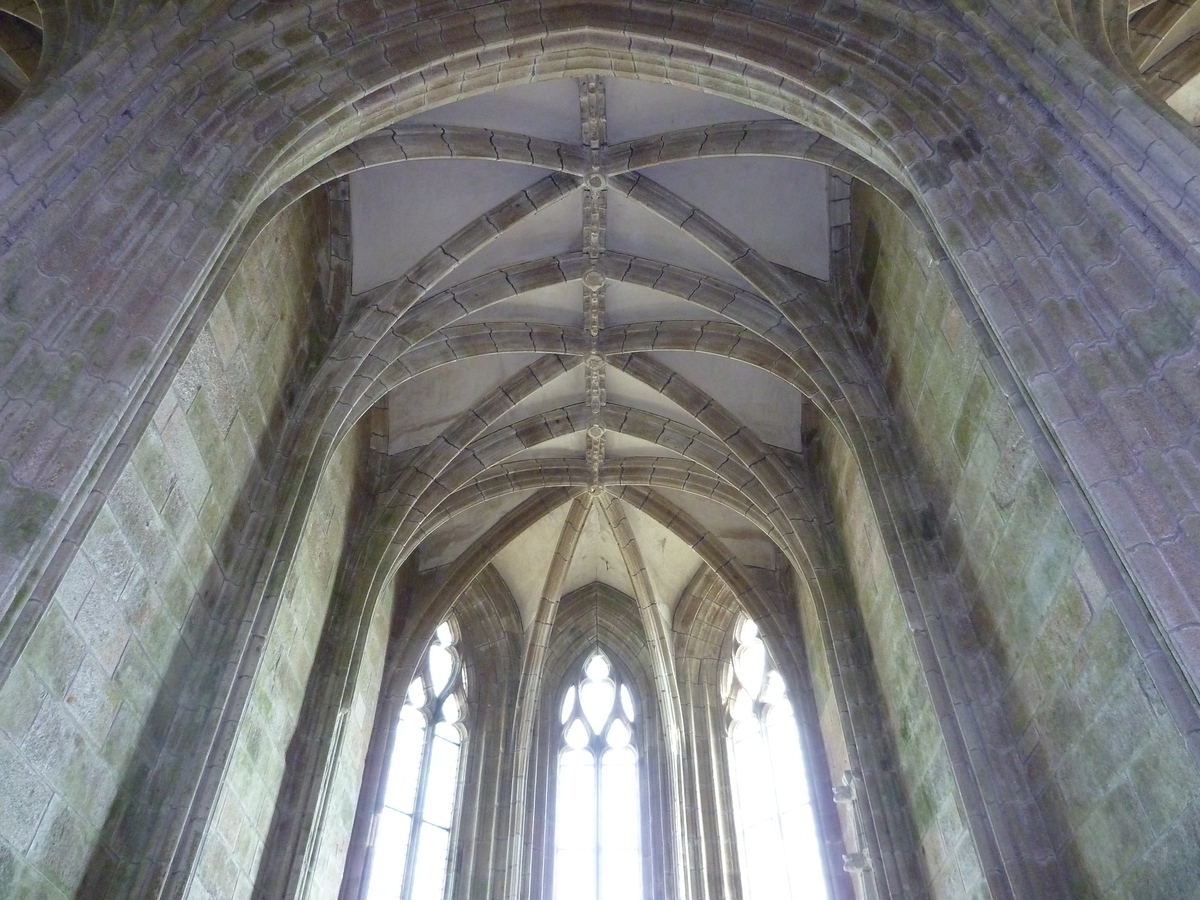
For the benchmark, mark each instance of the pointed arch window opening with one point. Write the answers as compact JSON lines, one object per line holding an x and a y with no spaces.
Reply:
{"x":598,"y":853}
{"x":778,"y":844}
{"x":411,"y":849}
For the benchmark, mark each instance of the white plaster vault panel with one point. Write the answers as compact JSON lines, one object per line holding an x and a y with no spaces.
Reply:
{"x":551,"y":231}
{"x":634,"y":229}
{"x":777,"y":206}
{"x":670,"y":562}
{"x":421,"y":408}
{"x":597,"y":557}
{"x":628,"y":303}
{"x":525,"y":561}
{"x":628,"y":391}
{"x":569,"y":446}
{"x":640,"y":108}
{"x":564,"y":390}
{"x":625,"y":446}
{"x":455,"y":537}
{"x":769,"y":405}
{"x":399,"y":212}
{"x":547,"y":109}
{"x":557,"y":304}
{"x":738,"y":533}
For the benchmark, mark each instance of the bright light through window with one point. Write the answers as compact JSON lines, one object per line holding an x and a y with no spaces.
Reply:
{"x":597,"y":852}
{"x":777,"y":837}
{"x":412,"y":841}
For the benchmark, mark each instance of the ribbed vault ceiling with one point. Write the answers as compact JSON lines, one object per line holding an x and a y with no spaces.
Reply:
{"x":594,"y":332}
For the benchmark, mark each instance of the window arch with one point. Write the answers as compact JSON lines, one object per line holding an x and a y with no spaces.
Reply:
{"x":412,"y":841}
{"x":597,"y":842}
{"x":778,"y":846}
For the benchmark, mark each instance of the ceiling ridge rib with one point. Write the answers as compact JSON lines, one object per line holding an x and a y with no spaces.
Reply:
{"x":593,"y":115}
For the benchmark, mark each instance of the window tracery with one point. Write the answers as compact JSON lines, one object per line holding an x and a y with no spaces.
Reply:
{"x":778,"y":846}
{"x":597,"y":822}
{"x":412,"y":842}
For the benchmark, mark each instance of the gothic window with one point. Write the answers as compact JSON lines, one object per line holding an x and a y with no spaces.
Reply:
{"x":412,"y":842}
{"x":777,"y":838}
{"x":597,"y":852}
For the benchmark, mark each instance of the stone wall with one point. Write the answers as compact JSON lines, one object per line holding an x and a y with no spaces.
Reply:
{"x":1120,"y":794}
{"x":76,"y":713}
{"x":233,"y":846}
{"x":947,"y":850}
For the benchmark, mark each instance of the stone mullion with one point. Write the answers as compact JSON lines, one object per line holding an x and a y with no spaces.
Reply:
{"x":492,"y":840}
{"x":487,"y":728}
{"x":600,"y":614}
{"x":455,"y":481}
{"x":708,"y":799}
{"x":967,"y":775}
{"x":714,"y":805}
{"x":700,"y":625}
{"x":400,"y":662}
{"x":307,"y":474}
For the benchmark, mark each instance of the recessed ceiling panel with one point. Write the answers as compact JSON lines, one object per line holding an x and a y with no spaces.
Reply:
{"x":738,"y":533}
{"x":597,"y":557}
{"x":525,"y":561}
{"x":769,"y":405}
{"x":628,"y":391}
{"x":624,"y":446}
{"x":421,"y":408}
{"x":625,"y":304}
{"x":454,"y":538}
{"x":635,"y":230}
{"x":547,"y":109}
{"x":400,"y":212}
{"x":777,"y":206}
{"x":557,"y":304}
{"x":565,"y":390}
{"x":553,"y":230}
{"x":568,"y":446}
{"x":670,"y":562}
{"x":640,"y":108}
